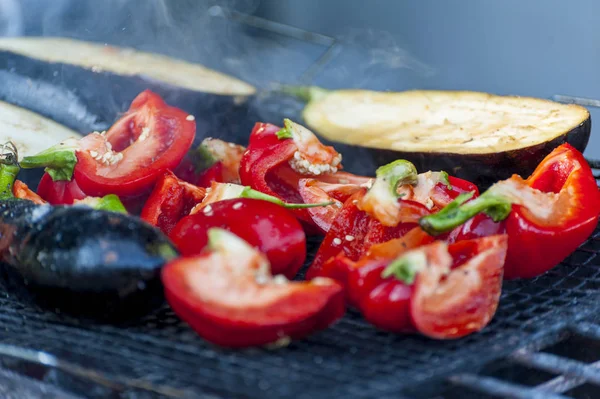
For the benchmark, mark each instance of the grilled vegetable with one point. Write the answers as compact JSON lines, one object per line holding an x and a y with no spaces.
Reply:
{"x":268,"y":227}
{"x":439,"y":290}
{"x":126,"y":160}
{"x":277,"y":159}
{"x":547,"y":216}
{"x":212,"y":161}
{"x":55,"y":74}
{"x":30,"y":132}
{"x":230,"y":298}
{"x":170,"y":201}
{"x":75,"y":258}
{"x":475,"y":136}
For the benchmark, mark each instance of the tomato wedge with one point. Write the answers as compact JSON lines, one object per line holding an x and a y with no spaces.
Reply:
{"x":149,"y":139}
{"x":229,"y":297}
{"x":270,"y":228}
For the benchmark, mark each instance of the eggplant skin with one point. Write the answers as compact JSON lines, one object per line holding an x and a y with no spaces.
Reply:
{"x":485,"y":169}
{"x":95,"y":263}
{"x":86,"y":100}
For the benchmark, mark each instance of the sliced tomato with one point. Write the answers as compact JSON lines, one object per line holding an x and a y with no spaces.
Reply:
{"x":229,"y":297}
{"x":149,"y":139}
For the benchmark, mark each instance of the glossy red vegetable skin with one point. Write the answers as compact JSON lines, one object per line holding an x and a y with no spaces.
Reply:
{"x":353,"y":231}
{"x":536,"y":245}
{"x":21,"y":190}
{"x":170,"y":201}
{"x":454,"y":305}
{"x":443,"y":302}
{"x":151,"y":137}
{"x":59,"y":192}
{"x":220,"y":297}
{"x":269,"y":227}
{"x":478,"y":226}
{"x":265,"y":167}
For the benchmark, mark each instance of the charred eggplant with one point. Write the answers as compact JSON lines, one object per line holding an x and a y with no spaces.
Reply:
{"x":475,"y":136}
{"x":104,"y":79}
{"x":79,"y":259}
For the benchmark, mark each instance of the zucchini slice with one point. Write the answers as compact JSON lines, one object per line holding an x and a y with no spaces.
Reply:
{"x":478,"y":136}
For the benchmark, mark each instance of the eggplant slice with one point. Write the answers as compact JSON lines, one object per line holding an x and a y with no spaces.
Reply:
{"x":87,"y":85}
{"x":477,"y":136}
{"x":30,"y":132}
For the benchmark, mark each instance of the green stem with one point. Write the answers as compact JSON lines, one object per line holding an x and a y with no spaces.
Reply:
{"x":247,"y":192}
{"x":59,"y":160}
{"x":8,"y":175}
{"x":397,"y":173}
{"x":110,"y":203}
{"x":305,"y":93}
{"x":458,"y":212}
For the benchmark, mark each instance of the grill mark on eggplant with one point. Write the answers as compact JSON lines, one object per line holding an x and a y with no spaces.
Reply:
{"x":94,"y":263}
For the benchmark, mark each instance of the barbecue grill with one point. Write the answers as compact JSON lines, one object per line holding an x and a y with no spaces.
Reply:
{"x":544,"y":341}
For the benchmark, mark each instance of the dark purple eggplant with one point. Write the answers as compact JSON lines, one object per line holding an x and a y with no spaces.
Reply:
{"x":83,"y":260}
{"x":85,"y":86}
{"x":475,"y":136}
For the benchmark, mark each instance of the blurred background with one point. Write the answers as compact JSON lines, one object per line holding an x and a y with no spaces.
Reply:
{"x":536,"y":48}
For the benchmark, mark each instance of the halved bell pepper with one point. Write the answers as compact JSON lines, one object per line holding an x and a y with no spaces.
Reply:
{"x":547,"y":216}
{"x":441,"y":291}
{"x":229,"y":297}
{"x":170,"y":201}
{"x":150,"y":138}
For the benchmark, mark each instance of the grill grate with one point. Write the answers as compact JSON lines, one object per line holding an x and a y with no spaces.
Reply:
{"x":159,"y":356}
{"x":543,"y":341}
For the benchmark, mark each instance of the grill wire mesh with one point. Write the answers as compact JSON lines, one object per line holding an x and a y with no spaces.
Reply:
{"x":159,"y":356}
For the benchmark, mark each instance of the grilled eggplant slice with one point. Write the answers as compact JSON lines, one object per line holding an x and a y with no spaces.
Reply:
{"x":30,"y":132}
{"x":106,"y":78}
{"x":476,"y":136}
{"x":89,"y":262}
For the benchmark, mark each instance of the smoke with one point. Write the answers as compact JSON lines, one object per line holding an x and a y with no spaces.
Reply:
{"x":11,"y":18}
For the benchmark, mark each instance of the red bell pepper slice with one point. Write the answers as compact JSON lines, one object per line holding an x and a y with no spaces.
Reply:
{"x":170,"y":201}
{"x":439,"y":290}
{"x":277,"y":159}
{"x":21,"y":190}
{"x":354,"y":231}
{"x":149,"y":139}
{"x":59,"y":192}
{"x":546,"y":216}
{"x":229,"y":297}
{"x":213,"y":161}
{"x":268,"y":227}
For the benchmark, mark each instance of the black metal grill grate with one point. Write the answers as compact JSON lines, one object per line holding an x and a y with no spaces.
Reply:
{"x":160,"y":356}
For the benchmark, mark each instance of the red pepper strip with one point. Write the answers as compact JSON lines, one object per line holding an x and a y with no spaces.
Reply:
{"x":353,"y":231}
{"x":171,"y":200}
{"x":553,"y":212}
{"x":311,"y":193}
{"x":21,"y":190}
{"x":437,"y":290}
{"x":229,"y":297}
{"x":268,"y":227}
{"x":263,"y":135}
